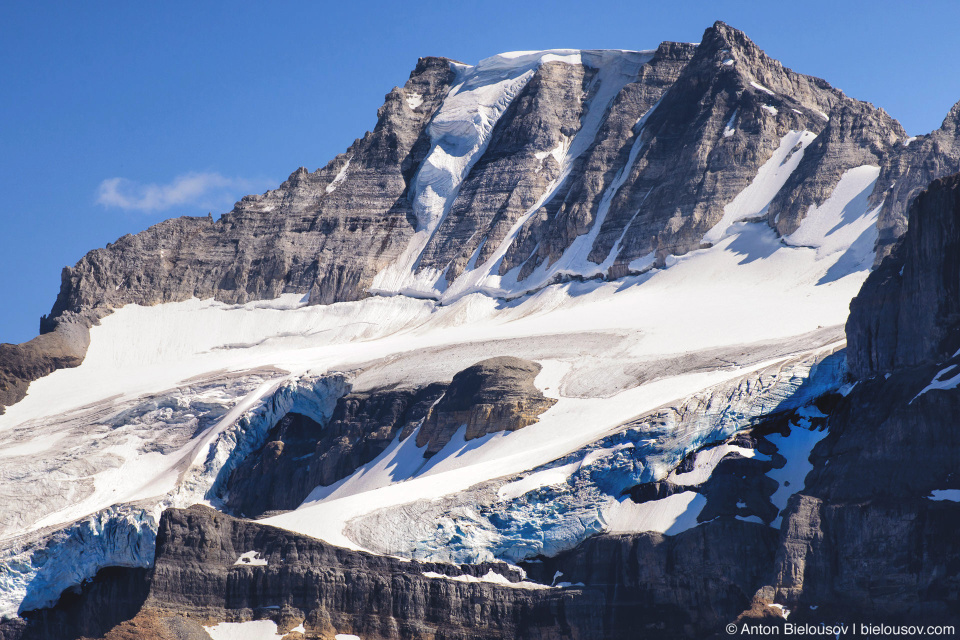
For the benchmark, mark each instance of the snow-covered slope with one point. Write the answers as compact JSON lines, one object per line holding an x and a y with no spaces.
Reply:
{"x":183,"y":388}
{"x":650,"y":354}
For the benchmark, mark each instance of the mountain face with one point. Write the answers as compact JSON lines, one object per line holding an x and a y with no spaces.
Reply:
{"x":870,"y":533}
{"x":556,"y":351}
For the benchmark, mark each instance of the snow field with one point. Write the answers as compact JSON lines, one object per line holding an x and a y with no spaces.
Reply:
{"x":749,"y":286}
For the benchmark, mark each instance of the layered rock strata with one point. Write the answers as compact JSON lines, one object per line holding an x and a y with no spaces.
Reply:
{"x":300,"y":454}
{"x":872,"y":535}
{"x":501,"y":178}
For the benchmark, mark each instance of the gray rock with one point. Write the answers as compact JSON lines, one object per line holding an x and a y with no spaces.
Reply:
{"x":300,"y":454}
{"x":20,"y":364}
{"x":665,"y":587}
{"x":326,"y":234}
{"x":908,"y":170}
{"x":857,"y":134}
{"x":863,"y":538}
{"x":906,"y":313}
{"x":494,"y":395}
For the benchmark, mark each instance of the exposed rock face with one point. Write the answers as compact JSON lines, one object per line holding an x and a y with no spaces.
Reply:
{"x":20,"y":364}
{"x":650,"y":580}
{"x":856,"y":135}
{"x":113,"y":596}
{"x":865,"y":537}
{"x":516,"y":168}
{"x":301,"y":454}
{"x":583,"y":167}
{"x":493,"y":395}
{"x":908,"y":311}
{"x":571,"y":208}
{"x":668,"y":587}
{"x":909,"y":170}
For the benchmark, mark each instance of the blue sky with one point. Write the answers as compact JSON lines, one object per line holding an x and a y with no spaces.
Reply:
{"x":116,"y":115}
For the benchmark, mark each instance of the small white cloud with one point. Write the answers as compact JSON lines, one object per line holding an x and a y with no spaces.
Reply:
{"x":201,"y":190}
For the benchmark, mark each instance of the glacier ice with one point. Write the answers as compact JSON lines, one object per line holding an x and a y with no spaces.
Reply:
{"x":206,"y":433}
{"x":556,"y":506}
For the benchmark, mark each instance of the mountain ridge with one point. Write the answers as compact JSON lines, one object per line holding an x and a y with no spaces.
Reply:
{"x":361,"y":202}
{"x":559,"y":344}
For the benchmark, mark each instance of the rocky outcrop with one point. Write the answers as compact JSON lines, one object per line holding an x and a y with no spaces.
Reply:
{"x":21,"y":364}
{"x":908,"y":311}
{"x":651,"y":581}
{"x":493,"y":395}
{"x":866,"y":537}
{"x":908,"y":170}
{"x":683,"y":586}
{"x":301,"y":454}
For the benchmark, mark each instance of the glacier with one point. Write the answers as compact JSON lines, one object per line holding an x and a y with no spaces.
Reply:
{"x":645,"y":370}
{"x":38,"y":565}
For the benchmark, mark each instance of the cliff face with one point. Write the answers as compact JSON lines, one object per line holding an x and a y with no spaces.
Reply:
{"x":871,"y":534}
{"x":907,"y":313}
{"x":650,"y":475}
{"x":501,"y":178}
{"x":658,"y":585}
{"x":492,"y":396}
{"x":908,"y":171}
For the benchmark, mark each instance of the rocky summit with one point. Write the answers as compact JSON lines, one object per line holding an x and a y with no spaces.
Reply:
{"x":573,"y":344}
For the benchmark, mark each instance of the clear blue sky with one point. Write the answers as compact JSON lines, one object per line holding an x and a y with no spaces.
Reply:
{"x":208,"y":101}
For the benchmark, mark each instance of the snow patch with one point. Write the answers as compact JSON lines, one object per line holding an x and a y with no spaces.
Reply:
{"x":796,"y":448}
{"x":938,"y":383}
{"x":251,"y":630}
{"x":755,"y":199}
{"x":729,"y":130}
{"x":782,"y":610}
{"x":340,"y":177}
{"x":952,"y":495}
{"x":757,"y":85}
{"x":251,"y":559}
{"x":706,"y":461}
{"x":669,"y":515}
{"x":844,"y":223}
{"x":491,"y":577}
{"x":414,"y":100}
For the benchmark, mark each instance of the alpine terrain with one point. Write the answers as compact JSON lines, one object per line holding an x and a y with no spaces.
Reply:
{"x":572,"y":344}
